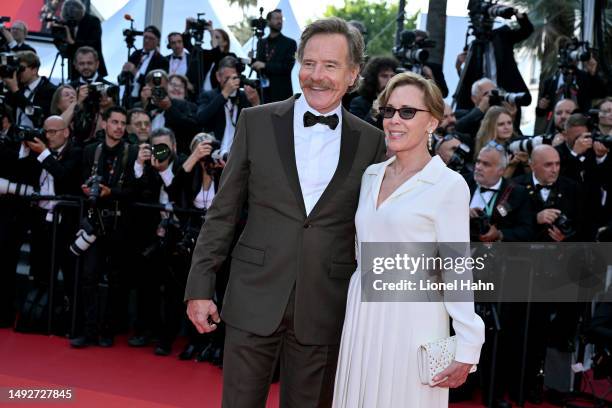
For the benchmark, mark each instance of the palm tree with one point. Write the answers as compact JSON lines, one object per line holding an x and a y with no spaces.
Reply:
{"x":436,"y":27}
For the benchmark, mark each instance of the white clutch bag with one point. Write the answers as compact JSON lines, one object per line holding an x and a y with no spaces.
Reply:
{"x":434,"y":357}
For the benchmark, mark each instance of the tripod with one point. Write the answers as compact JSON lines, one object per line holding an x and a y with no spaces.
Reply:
{"x":63,"y":59}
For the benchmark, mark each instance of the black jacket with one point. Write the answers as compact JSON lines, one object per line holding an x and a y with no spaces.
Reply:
{"x":566,"y":196}
{"x":211,"y":112}
{"x":41,"y":96}
{"x":517,"y":225}
{"x":23,"y":47}
{"x":158,"y":61}
{"x":181,"y":118}
{"x":438,"y":76}
{"x":279,"y":56}
{"x":89,"y":33}
{"x":508,"y":76}
{"x":202,"y":61}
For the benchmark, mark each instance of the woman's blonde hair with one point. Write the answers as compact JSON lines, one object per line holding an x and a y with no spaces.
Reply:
{"x":432,"y":97}
{"x":488,"y":126}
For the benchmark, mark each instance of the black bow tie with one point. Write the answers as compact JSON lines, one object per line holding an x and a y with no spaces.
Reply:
{"x":540,"y":187}
{"x":54,"y":153}
{"x":485,"y":189}
{"x":310,"y":119}
{"x":180,"y":57}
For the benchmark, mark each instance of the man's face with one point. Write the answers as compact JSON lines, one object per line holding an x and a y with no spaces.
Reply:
{"x":140,"y":125}
{"x":326,"y":72}
{"x":574,"y":133}
{"x":447,"y":149}
{"x":57,"y":133}
{"x":176,"y":43}
{"x":27,"y":75}
{"x":384,"y":77}
{"x":86,"y":64}
{"x":225,"y":75}
{"x":115,"y":126}
{"x":18,"y":32}
{"x":276,"y":21}
{"x":149,"y":41}
{"x":448,"y":120}
{"x":605,"y":114}
{"x":563,"y":110}
{"x":545,"y":166}
{"x":483,"y":89}
{"x":487,"y":170}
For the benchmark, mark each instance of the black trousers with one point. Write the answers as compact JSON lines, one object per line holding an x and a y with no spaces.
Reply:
{"x":306,"y":372}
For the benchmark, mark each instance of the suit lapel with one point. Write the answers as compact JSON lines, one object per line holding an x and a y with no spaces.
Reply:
{"x":349,"y":141}
{"x":283,"y":133}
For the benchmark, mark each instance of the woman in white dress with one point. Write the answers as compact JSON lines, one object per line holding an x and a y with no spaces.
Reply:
{"x":411,"y":197}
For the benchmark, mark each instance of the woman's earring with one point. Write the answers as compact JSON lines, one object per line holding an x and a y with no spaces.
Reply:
{"x":430,"y":140}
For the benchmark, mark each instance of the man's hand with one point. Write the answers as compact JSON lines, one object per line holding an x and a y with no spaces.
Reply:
{"x":547,"y":216}
{"x":199,"y":311}
{"x":491,"y":236}
{"x":105,"y":191}
{"x":144,"y":153}
{"x":460,"y":60}
{"x":37,"y":146}
{"x":82,"y":94}
{"x":511,"y":107}
{"x":519,"y":158}
{"x":583,"y":143}
{"x":556,"y":234}
{"x":600,"y":149}
{"x":129,"y":67}
{"x":454,"y":375}
{"x":252,"y":95}
{"x":258,"y":65}
{"x":427,"y":72}
{"x":7,"y":35}
{"x":483,"y":105}
{"x":202,"y":150}
{"x":145,"y":95}
{"x":475,"y":212}
{"x":11,"y":83}
{"x":160,"y":166}
{"x":230,"y":86}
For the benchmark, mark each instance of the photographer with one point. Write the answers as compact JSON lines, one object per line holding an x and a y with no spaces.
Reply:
{"x":15,"y":37}
{"x":109,"y":183}
{"x":469,"y":120}
{"x":570,"y":82}
{"x":158,"y":164}
{"x":498,"y":63}
{"x":63,"y":103}
{"x":138,"y":126}
{"x":179,"y":59}
{"x":92,"y":101}
{"x":176,"y":114}
{"x":87,"y":64}
{"x":376,"y":73}
{"x":82,"y":29}
{"x":53,"y":166}
{"x":429,"y":69}
{"x":563,"y":109}
{"x":203,"y":65}
{"x":499,"y":209}
{"x":26,"y":88}
{"x":455,"y":154}
{"x":141,"y":62}
{"x":219,"y":110}
{"x":274,"y":60}
{"x":605,"y":116}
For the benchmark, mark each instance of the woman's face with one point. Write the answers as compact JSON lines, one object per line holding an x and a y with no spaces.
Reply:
{"x":67,"y":96}
{"x":176,"y":89}
{"x":504,"y":128}
{"x":605,"y":114}
{"x":407,"y":134}
{"x":222,"y":43}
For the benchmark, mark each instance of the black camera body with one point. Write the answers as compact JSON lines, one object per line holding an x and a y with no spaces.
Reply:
{"x":9,"y":65}
{"x":258,"y":25}
{"x":93,"y":183}
{"x":27,"y":134}
{"x":593,"y":126}
{"x":459,"y":158}
{"x":410,"y":52}
{"x":482,"y":13}
{"x":196,"y":28}
{"x":96,"y":91}
{"x":161,"y":151}
{"x":564,"y":224}
{"x":158,"y":91}
{"x":479,"y":225}
{"x":572,"y":53}
{"x":497,"y":96}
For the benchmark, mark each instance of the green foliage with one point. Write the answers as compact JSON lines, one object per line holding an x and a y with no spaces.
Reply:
{"x":379,"y":17}
{"x":242,"y":30}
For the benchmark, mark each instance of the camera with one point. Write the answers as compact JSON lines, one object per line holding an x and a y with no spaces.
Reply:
{"x":497,"y":96}
{"x":459,"y":158}
{"x":97,"y":90}
{"x":8,"y":187}
{"x":573,"y":52}
{"x":479,"y":225}
{"x":240,"y":67}
{"x":593,"y":126}
{"x":564,"y":225}
{"x":258,"y":25}
{"x":528,"y":143}
{"x":161,"y":152}
{"x":9,"y":65}
{"x":93,"y":183}
{"x":216,"y":155}
{"x":85,"y":237}
{"x":3,"y":19}
{"x":196,"y":28}
{"x":158,"y":92}
{"x":411,"y":52}
{"x":27,"y":134}
{"x":482,"y":13}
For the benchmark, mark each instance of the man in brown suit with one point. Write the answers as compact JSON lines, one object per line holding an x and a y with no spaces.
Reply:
{"x":298,"y":164}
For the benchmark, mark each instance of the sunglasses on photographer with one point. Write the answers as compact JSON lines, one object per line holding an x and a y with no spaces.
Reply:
{"x":406,"y":113}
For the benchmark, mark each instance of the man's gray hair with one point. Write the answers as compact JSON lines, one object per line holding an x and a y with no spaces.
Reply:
{"x":163,"y":131}
{"x":73,"y":10}
{"x":335,"y":25}
{"x":503,"y":157}
{"x":476,"y":85}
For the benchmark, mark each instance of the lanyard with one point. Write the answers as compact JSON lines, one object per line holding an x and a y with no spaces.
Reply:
{"x":489,"y":205}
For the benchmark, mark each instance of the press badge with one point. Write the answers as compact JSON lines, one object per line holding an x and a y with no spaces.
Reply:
{"x":265,"y":82}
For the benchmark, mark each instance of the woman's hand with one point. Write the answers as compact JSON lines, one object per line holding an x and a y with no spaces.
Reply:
{"x":454,"y":375}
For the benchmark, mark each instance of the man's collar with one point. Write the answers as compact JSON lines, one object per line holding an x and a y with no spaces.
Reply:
{"x":496,"y":186}
{"x":34,"y":83}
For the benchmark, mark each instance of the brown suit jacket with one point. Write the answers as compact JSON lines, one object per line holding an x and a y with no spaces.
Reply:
{"x":280,"y":247}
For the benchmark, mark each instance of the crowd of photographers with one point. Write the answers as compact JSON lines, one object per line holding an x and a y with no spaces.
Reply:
{"x":110,"y":183}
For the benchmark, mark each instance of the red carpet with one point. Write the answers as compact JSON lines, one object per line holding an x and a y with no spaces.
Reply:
{"x":120,"y":376}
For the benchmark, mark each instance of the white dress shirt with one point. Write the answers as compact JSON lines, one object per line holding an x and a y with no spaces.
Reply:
{"x":544,"y":192}
{"x":231,"y":117}
{"x":47,"y":184}
{"x":178,"y":66}
{"x":205,"y":197}
{"x":143,"y":68}
{"x":317,"y":151}
{"x":482,"y":200}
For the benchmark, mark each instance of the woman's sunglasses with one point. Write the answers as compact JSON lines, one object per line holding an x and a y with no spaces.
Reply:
{"x":406,"y":113}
